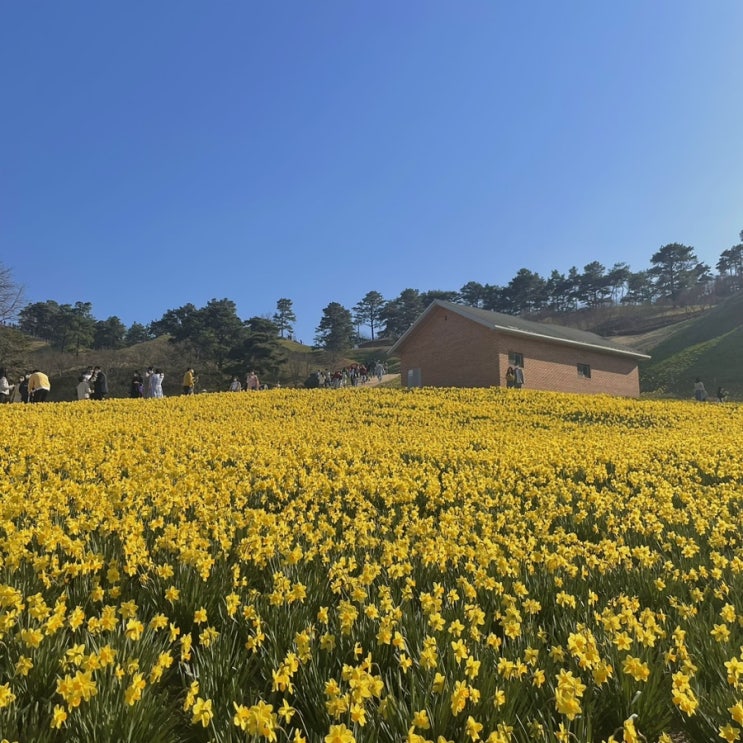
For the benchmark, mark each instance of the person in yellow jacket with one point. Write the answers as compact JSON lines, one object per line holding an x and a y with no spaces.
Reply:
{"x":189,"y":380}
{"x":38,"y":386}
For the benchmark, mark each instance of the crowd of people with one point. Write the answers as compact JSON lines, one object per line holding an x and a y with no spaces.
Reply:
{"x":347,"y":376}
{"x":31,"y":387}
{"x":93,"y":385}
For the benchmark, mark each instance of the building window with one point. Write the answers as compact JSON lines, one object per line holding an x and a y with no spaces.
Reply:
{"x":584,"y":370}
{"x":515,"y":359}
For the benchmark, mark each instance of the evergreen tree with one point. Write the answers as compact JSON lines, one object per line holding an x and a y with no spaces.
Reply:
{"x":400,"y":313}
{"x":335,"y":332}
{"x":640,"y":288}
{"x":526,"y":292}
{"x":594,"y":284}
{"x":473,"y":294}
{"x":40,"y":319}
{"x":369,"y":311}
{"x":284,"y":317}
{"x":74,"y":327}
{"x":442,"y":294}
{"x":617,"y":280}
{"x":673,"y":270}
{"x":109,"y":333}
{"x":137,"y":333}
{"x":730,"y":265}
{"x":258,"y":350}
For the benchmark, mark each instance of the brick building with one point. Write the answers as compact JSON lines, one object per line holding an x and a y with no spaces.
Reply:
{"x":452,"y":345}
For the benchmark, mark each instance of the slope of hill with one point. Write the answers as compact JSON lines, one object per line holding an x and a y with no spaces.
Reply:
{"x":683,"y":344}
{"x":709,"y":346}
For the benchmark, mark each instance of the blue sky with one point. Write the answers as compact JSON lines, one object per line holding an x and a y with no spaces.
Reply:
{"x":158,"y":153}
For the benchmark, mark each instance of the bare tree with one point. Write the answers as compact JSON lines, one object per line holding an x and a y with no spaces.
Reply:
{"x":11,"y":295}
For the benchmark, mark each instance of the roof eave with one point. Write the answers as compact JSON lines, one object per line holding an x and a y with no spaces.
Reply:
{"x":571,"y":342}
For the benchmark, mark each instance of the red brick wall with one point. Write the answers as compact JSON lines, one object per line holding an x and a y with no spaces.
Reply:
{"x":452,"y":351}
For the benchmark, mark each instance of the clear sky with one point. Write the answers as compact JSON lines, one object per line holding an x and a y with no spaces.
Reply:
{"x":158,"y":153}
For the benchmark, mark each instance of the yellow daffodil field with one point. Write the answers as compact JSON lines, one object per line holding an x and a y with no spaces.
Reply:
{"x":372,"y":565}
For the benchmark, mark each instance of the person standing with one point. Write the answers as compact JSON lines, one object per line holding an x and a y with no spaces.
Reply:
{"x":100,"y":384}
{"x":235,"y":385}
{"x":147,"y":383}
{"x":700,"y":394}
{"x":23,"y":388}
{"x":5,"y":387}
{"x":39,"y":386}
{"x":518,"y":377}
{"x":510,"y":377}
{"x":252,"y":384}
{"x":157,"y":382}
{"x":188,"y":382}
{"x":135,"y":388}
{"x":83,"y":388}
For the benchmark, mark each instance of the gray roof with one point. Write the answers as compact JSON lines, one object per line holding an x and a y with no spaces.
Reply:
{"x":513,"y":325}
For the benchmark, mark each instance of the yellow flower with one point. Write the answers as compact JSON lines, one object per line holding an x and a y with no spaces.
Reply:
{"x":636,"y":668}
{"x":201,"y":712}
{"x":286,"y":711}
{"x":6,"y":696}
{"x":729,"y":733}
{"x":134,"y":629}
{"x":736,"y":712}
{"x":473,"y":728}
{"x":23,"y":665}
{"x":420,"y":720}
{"x":134,"y":691}
{"x":339,"y":734}
{"x":59,"y":715}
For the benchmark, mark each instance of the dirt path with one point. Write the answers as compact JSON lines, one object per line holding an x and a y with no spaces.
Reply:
{"x":373,"y":381}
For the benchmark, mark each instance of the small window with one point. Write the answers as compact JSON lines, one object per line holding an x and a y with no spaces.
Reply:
{"x":515,"y":359}
{"x":584,"y":370}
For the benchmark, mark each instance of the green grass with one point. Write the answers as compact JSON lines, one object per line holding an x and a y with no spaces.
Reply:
{"x":709,"y":347}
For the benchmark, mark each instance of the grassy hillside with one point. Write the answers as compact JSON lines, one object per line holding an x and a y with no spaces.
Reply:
{"x":64,"y":369}
{"x":684,"y":345}
{"x":709,"y":346}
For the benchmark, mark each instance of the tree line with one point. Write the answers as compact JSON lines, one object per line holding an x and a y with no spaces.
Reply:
{"x":216,"y":334}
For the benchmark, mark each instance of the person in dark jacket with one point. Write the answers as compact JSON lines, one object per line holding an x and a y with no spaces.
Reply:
{"x":100,"y":384}
{"x":135,"y":389}
{"x":23,"y":388}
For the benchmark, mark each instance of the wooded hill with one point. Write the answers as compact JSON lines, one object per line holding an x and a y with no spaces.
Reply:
{"x":684,"y":344}
{"x":64,"y":368}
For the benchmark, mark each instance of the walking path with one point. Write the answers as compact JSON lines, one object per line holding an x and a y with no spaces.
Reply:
{"x":373,"y":381}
